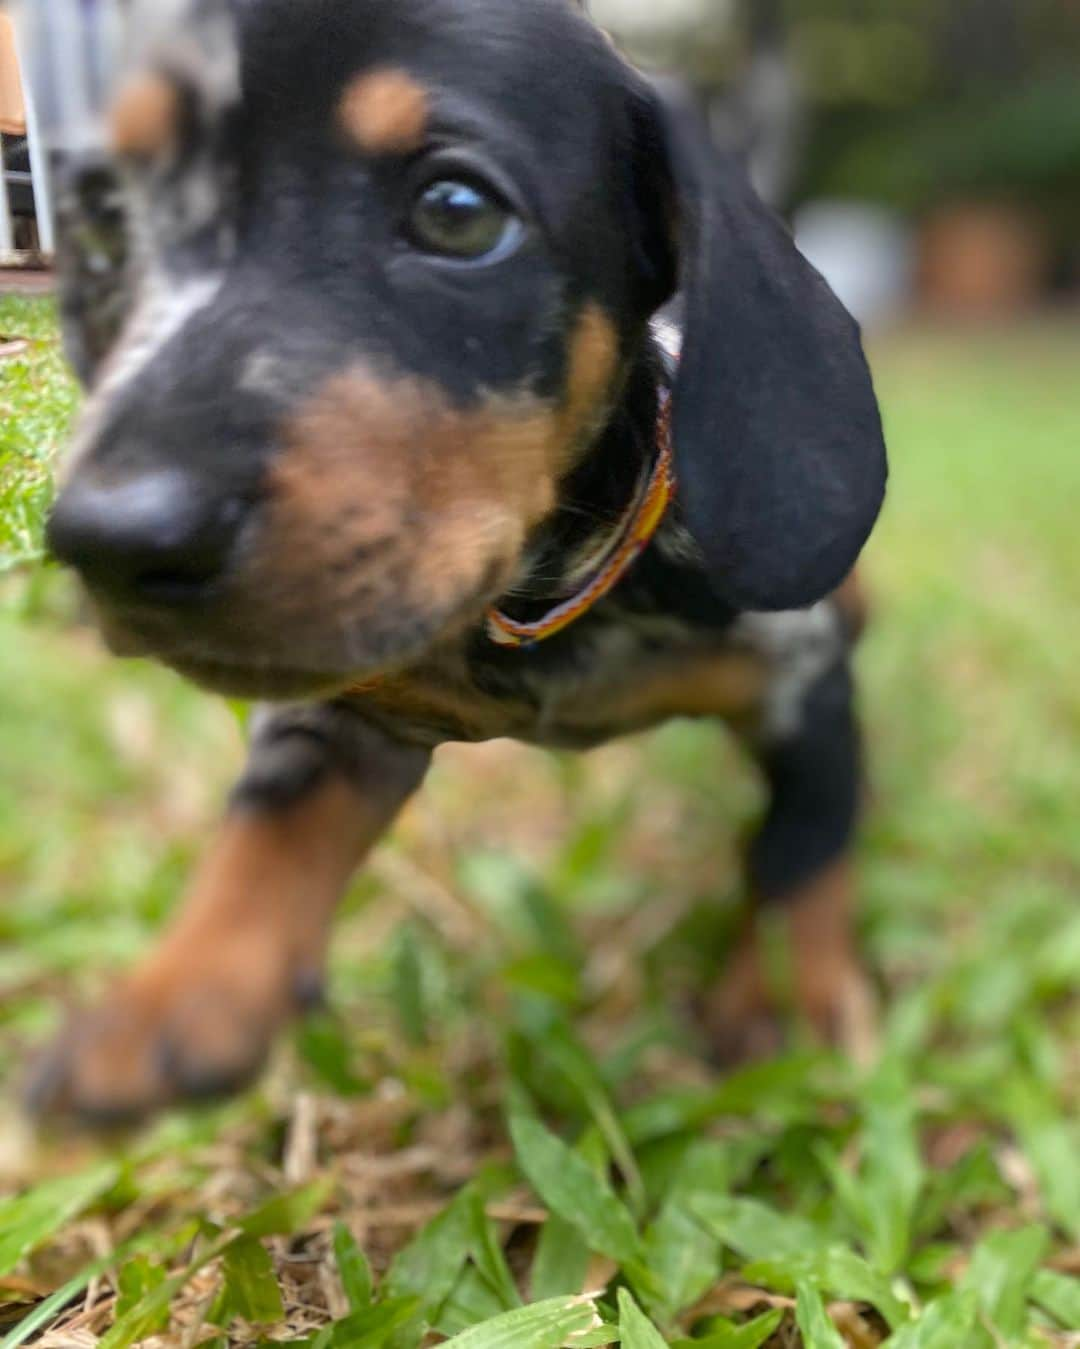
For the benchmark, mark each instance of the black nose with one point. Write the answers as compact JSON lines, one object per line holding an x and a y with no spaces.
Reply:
{"x":157,"y":538}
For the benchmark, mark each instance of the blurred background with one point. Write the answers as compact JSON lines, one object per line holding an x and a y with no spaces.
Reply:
{"x":928,"y":149}
{"x":928,"y":154}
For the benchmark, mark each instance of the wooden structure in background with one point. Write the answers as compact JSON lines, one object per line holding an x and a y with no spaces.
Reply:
{"x":18,"y":123}
{"x":12,"y":107}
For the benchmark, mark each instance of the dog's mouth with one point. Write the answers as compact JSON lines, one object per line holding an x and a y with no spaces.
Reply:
{"x":258,"y":659}
{"x":252,"y":676}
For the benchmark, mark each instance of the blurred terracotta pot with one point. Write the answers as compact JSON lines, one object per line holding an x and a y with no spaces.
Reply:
{"x":983,"y":260}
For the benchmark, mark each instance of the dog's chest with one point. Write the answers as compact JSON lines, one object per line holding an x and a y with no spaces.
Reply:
{"x":627,"y":680}
{"x":615,"y":679}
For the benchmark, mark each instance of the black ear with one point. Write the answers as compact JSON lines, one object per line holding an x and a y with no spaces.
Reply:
{"x":778,"y":438}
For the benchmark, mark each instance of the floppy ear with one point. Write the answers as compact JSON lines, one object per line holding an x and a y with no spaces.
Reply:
{"x":778,"y":438}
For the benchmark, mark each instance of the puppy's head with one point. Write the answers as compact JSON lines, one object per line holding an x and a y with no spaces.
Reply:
{"x":391,"y":261}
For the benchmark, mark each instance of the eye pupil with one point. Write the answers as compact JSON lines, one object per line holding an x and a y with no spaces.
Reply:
{"x":458,"y":219}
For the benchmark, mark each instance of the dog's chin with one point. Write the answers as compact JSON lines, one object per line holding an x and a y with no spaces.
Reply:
{"x":230,"y":675}
{"x":269,"y":684}
{"x":304,"y":672}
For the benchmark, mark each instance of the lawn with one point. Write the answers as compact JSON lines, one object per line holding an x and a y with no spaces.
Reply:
{"x":507,"y":1104}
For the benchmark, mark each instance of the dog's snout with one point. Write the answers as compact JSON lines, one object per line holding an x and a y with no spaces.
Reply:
{"x":156,"y":538}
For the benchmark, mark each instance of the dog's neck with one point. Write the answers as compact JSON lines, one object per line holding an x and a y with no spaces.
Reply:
{"x":594,"y":498}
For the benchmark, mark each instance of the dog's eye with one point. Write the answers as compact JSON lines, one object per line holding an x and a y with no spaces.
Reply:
{"x":463,"y":220}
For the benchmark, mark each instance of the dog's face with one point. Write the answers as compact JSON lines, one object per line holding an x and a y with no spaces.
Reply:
{"x":391,"y":262}
{"x":386,"y":295}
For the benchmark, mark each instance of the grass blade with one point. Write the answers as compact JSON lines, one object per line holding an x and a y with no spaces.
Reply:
{"x":251,"y":1287}
{"x":570,"y":1187}
{"x":1001,"y":1275}
{"x":576,"y":1067}
{"x":784,"y":1251}
{"x":562,"y":1260}
{"x":752,"y":1335}
{"x":487,"y":1254}
{"x":635,"y":1328}
{"x":893,"y":1175}
{"x":55,"y":1303}
{"x":137,"y":1278}
{"x":1058,"y":1294}
{"x":378,"y":1326}
{"x":817,"y":1329}
{"x":353,"y":1269}
{"x":544,"y":1325}
{"x":682,"y":1254}
{"x":32,"y":1218}
{"x":431,"y":1264}
{"x":948,"y":1323}
{"x":285,"y":1214}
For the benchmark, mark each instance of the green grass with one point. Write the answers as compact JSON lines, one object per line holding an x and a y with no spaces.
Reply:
{"x":507,"y":1103}
{"x":37,"y":398}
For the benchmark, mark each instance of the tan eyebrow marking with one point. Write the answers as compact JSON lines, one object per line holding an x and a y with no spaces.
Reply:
{"x":385,"y":112}
{"x":145,"y":119}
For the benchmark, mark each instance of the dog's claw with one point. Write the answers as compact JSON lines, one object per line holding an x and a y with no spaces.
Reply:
{"x":309,"y":991}
{"x":42,"y":1093}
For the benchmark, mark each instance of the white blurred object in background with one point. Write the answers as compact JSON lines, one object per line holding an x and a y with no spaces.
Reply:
{"x":642,"y":20}
{"x":69,"y":51}
{"x":865,"y":252}
{"x":65,"y":58}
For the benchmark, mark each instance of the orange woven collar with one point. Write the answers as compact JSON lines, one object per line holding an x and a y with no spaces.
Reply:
{"x":643,"y":518}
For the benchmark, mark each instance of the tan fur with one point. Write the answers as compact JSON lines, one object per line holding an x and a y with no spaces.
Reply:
{"x":435,"y":698}
{"x":441,"y":696}
{"x":145,"y":119}
{"x":729,"y":685}
{"x":225,"y":977}
{"x":828,"y":989}
{"x":592,"y":367}
{"x":385,"y":112}
{"x":392,"y":518}
{"x":853,"y":604}
{"x":386,"y":495}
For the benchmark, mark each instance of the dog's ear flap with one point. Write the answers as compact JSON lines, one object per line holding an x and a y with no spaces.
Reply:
{"x":778,"y":438}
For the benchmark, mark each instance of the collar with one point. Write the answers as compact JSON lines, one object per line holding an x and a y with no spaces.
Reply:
{"x":636,"y":531}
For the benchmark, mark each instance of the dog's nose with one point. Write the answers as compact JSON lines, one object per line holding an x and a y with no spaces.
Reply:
{"x":157,"y":538}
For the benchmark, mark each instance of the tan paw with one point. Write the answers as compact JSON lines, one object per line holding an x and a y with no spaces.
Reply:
{"x":162,"y":1039}
{"x":795,"y":968}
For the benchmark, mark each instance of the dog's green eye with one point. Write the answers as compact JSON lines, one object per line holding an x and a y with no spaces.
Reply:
{"x":461,"y":220}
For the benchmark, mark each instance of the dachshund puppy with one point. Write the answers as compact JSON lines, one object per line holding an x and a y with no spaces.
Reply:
{"x":389,"y":435}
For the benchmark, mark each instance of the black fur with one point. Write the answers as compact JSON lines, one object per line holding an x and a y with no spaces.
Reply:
{"x":294,"y":750}
{"x":779,"y":440}
{"x":814,"y":777}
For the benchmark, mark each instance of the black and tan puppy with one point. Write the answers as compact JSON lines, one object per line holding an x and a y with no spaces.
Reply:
{"x":391,"y":439}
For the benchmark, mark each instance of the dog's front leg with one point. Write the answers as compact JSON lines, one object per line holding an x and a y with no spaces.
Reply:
{"x":248,"y":946}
